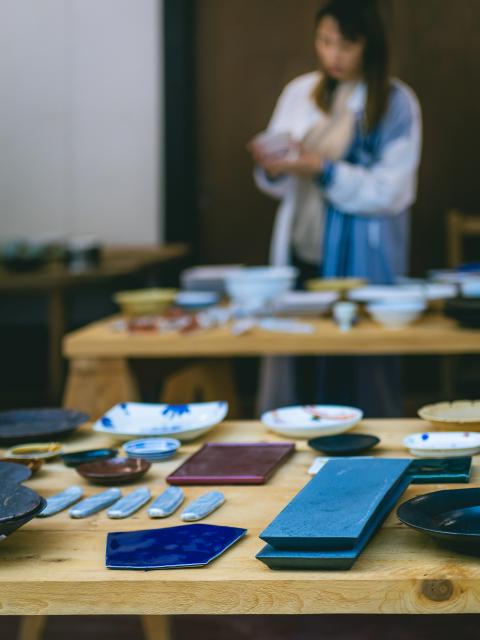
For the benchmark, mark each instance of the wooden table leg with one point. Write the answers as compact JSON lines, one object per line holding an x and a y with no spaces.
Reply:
{"x":56,"y":329}
{"x":32,"y":627}
{"x":156,"y":627}
{"x":94,"y":386}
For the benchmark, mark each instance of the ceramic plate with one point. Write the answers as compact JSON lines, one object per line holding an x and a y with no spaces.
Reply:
{"x":375,"y":293}
{"x":305,"y":302}
{"x":440,"y":444}
{"x":35,"y":451}
{"x":193,"y":545}
{"x":465,"y":412}
{"x":452,"y":516}
{"x":184,"y":421}
{"x":345,"y":444}
{"x":311,"y":421}
{"x":89,"y":455}
{"x":38,"y":425}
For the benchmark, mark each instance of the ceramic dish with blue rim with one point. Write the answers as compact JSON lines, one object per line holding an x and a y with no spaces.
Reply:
{"x":311,"y":421}
{"x":191,"y":545}
{"x":196,"y":300}
{"x":142,"y":420}
{"x":20,"y":426}
{"x":452,"y":516}
{"x":152,"y":449}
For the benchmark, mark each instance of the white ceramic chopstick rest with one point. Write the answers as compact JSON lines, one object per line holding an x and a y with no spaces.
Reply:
{"x":61,"y":501}
{"x":203,"y":506}
{"x":96,"y":503}
{"x":130,"y":503}
{"x":166,"y":503}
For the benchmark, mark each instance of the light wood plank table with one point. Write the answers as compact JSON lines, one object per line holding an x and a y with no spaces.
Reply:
{"x":99,"y":375}
{"x":55,"y":566}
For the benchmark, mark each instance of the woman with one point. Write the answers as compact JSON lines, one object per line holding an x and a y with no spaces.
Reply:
{"x":345,"y":199}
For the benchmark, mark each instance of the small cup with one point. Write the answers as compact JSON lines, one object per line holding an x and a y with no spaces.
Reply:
{"x":345,"y":314}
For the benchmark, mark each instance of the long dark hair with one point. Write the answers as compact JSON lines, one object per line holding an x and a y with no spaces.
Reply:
{"x":360,"y":19}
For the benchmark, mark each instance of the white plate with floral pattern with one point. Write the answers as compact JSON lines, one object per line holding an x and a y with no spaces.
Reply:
{"x":443,"y":444}
{"x":311,"y":421}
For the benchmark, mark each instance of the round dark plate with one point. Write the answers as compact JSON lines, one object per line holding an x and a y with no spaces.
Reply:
{"x":345,"y":444}
{"x":18,"y":505}
{"x":13,"y":473}
{"x":114,"y":470}
{"x":38,"y":425}
{"x":466,"y":311}
{"x":452,"y":516}
{"x":89,"y":455}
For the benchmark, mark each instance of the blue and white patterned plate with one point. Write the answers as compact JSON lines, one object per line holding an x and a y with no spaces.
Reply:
{"x":152,"y":449}
{"x":442,"y":444}
{"x":141,"y":420}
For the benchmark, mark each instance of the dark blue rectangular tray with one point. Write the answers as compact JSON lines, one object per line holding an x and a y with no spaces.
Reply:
{"x":334,"y":509}
{"x":333,"y":560}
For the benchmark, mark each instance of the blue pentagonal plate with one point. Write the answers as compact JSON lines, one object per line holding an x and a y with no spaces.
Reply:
{"x":193,"y":545}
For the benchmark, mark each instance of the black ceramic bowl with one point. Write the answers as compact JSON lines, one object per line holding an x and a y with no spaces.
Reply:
{"x":89,"y":455}
{"x":18,"y":505}
{"x":451,"y":516}
{"x":21,"y":426}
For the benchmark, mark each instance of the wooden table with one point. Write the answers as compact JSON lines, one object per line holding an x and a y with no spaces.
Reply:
{"x":55,"y":280}
{"x":55,"y":566}
{"x":99,"y":355}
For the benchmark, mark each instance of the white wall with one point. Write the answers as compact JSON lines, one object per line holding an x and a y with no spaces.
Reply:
{"x":80,"y":119}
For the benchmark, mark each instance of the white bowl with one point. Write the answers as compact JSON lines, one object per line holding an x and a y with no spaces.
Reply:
{"x":395,"y":315}
{"x":256,"y":286}
{"x":470,"y":288}
{"x":311,"y":421}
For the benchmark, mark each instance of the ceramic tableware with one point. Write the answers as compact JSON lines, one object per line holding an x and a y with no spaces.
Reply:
{"x":152,"y":449}
{"x":192,"y":545}
{"x":451,"y":516}
{"x":203,"y":506}
{"x":396,"y":315}
{"x":33,"y":464}
{"x":113,"y":471}
{"x":340,"y":501}
{"x":311,"y":421}
{"x":96,"y":503}
{"x":403,"y":292}
{"x":304,"y":303}
{"x":38,"y":425}
{"x":130,"y":503}
{"x":345,"y":314}
{"x":140,"y":420}
{"x":345,"y":444}
{"x":440,"y":470}
{"x":61,"y":501}
{"x":466,"y":311}
{"x":220,"y":463}
{"x":443,"y":444}
{"x":461,"y":414}
{"x":144,"y":302}
{"x":208,"y":277}
{"x":18,"y":505}
{"x":196,"y":300}
{"x":89,"y":455}
{"x":340,"y":285}
{"x":254,"y":287}
{"x":35,"y":451}
{"x":338,"y":559}
{"x":13,"y":473}
{"x":167,"y":503}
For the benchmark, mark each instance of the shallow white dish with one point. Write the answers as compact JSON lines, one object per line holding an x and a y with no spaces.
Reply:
{"x":208,"y":277}
{"x":196,"y":299}
{"x":395,"y":315}
{"x":441,"y":444}
{"x":186,"y":421}
{"x":305,"y":302}
{"x":400,"y":292}
{"x":311,"y":421}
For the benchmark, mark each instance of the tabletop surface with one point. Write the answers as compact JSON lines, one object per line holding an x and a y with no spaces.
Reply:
{"x":433,"y":334}
{"x":56,"y":565}
{"x":116,"y":261}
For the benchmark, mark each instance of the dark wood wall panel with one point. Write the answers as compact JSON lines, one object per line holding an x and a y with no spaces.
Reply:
{"x":246,"y":50}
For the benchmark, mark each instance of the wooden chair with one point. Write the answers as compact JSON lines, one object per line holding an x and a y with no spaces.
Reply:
{"x":459,"y":226}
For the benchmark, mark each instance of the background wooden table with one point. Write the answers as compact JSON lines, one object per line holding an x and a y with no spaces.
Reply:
{"x":99,"y":375}
{"x":56,"y":280}
{"x":56,"y":565}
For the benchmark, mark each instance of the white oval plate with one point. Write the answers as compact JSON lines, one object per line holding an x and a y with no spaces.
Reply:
{"x":311,"y":421}
{"x":141,"y":420}
{"x":440,"y":444}
{"x":374,"y":293}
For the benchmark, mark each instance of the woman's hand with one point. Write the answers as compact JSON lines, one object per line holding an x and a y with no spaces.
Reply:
{"x":306,"y":165}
